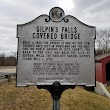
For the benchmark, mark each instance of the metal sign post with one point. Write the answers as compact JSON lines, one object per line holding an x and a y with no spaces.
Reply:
{"x":56,"y":89}
{"x":56,"y":104}
{"x":56,"y":95}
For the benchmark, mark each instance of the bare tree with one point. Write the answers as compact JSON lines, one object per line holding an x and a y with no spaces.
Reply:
{"x":12,"y":58}
{"x":2,"y":59}
{"x":14,"y":54}
{"x":103,"y":40}
{"x":8,"y":60}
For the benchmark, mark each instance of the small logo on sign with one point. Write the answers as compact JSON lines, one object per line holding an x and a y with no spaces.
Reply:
{"x":56,"y":14}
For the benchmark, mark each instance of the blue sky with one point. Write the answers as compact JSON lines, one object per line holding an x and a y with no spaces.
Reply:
{"x":13,"y":12}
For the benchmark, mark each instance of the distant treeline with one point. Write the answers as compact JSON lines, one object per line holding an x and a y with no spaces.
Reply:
{"x":7,"y":61}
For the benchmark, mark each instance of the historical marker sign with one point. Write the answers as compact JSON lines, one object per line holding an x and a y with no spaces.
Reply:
{"x":55,"y":48}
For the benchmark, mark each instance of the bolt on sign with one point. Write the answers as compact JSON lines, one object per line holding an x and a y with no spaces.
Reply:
{"x":55,"y":48}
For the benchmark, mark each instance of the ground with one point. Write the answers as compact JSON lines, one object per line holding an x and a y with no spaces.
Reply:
{"x":31,"y":98}
{"x":7,"y":67}
{"x":108,"y":88}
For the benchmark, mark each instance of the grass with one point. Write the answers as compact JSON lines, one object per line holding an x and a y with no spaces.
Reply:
{"x":7,"y":67}
{"x":24,"y":98}
{"x":31,"y":98}
{"x":108,"y":88}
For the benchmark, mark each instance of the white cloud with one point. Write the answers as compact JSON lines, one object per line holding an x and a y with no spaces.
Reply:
{"x":98,"y":14}
{"x":13,"y":12}
{"x":66,"y":4}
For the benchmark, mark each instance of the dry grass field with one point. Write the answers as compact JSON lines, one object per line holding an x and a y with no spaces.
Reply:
{"x":31,"y":98}
{"x":7,"y":67}
{"x":108,"y":88}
